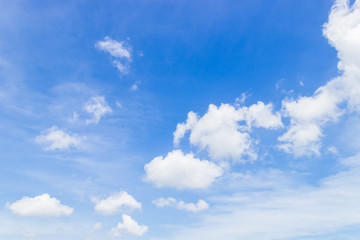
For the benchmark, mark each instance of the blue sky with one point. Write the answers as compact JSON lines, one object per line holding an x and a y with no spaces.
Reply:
{"x":179,"y":120}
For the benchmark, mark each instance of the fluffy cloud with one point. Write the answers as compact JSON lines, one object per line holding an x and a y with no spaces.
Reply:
{"x":56,"y":139}
{"x":181,"y":171}
{"x":128,"y":227}
{"x":308,"y":115}
{"x":121,"y":51}
{"x":116,"y":203}
{"x":190,"y":207}
{"x":221,"y":130}
{"x":97,"y":107}
{"x":39,"y":206}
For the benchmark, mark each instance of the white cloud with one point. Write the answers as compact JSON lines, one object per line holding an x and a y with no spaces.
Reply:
{"x":190,"y":207}
{"x":181,"y":171}
{"x":221,"y":130}
{"x":97,"y":107}
{"x":181,"y":128}
{"x":39,"y":206}
{"x":308,"y":115}
{"x":54,"y":139}
{"x":135,"y":86}
{"x":291,"y":213}
{"x":121,"y":51}
{"x":116,"y":203}
{"x":98,"y":226}
{"x":128,"y":227}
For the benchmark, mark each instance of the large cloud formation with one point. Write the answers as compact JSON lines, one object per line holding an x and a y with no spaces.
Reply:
{"x":308,"y":115}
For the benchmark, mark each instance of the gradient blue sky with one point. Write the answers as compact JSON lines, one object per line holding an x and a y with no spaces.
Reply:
{"x":93,"y":93}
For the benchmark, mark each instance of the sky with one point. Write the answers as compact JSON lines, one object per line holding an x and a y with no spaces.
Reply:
{"x":180,"y":120}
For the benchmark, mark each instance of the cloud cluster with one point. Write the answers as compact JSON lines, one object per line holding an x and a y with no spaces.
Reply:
{"x":128,"y":226}
{"x":97,"y":107}
{"x":224,"y":131}
{"x":190,"y":207}
{"x":181,"y":171}
{"x":56,"y":139}
{"x":303,"y":212}
{"x":120,"y":51}
{"x":116,"y":203}
{"x":39,"y":206}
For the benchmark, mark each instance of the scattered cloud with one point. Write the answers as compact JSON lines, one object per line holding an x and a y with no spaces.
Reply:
{"x":128,"y":227}
{"x":221,"y":132}
{"x":121,"y":51}
{"x":290,"y":213}
{"x":74,"y":118}
{"x":190,"y":207}
{"x":39,"y":206}
{"x":56,"y":139}
{"x":116,"y":203}
{"x":181,"y":171}
{"x":97,"y":107}
{"x":135,"y":86}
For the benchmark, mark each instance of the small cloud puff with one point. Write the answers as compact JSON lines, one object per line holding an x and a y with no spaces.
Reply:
{"x":121,"y":51}
{"x":97,"y":107}
{"x":56,"y":139}
{"x":190,"y":207}
{"x":128,"y":227}
{"x":116,"y":203}
{"x":39,"y":206}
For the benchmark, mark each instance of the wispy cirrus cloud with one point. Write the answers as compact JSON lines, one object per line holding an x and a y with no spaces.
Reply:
{"x":121,"y":51}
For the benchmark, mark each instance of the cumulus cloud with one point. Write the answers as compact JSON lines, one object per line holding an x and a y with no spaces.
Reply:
{"x":224,"y":131}
{"x":56,"y":139}
{"x":190,"y":207}
{"x":121,"y":51}
{"x":128,"y":227}
{"x":97,"y":107}
{"x":39,"y":206}
{"x":308,"y":115}
{"x":116,"y":203}
{"x":181,"y":171}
